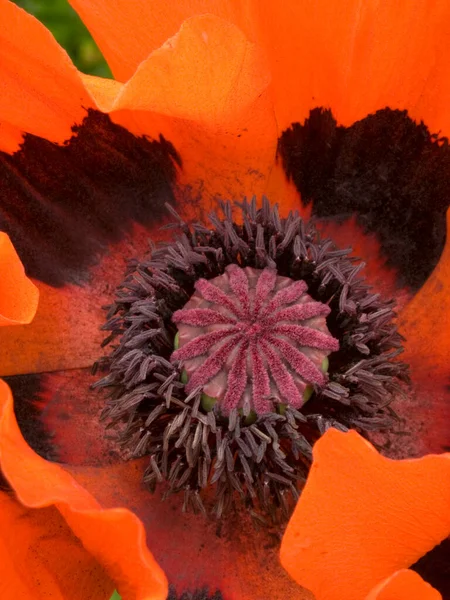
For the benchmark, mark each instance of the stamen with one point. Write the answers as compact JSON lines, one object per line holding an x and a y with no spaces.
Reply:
{"x":279,"y":338}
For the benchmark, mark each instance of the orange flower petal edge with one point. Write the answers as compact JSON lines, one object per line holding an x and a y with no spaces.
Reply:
{"x":55,"y":340}
{"x":114,"y":537}
{"x":40,"y":557}
{"x":42,"y":92}
{"x":404,"y":585}
{"x":362,"y":516}
{"x":321,"y":54}
{"x":425,"y":321}
{"x":18,"y":295}
{"x":207,"y":91}
{"x":103,"y":91}
{"x":348,"y":56}
{"x":65,"y":332}
{"x":243,"y":563}
{"x":127,"y":32}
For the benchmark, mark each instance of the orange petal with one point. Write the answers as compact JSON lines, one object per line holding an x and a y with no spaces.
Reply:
{"x":66,"y":330}
{"x":42,"y":92}
{"x":206,"y":90}
{"x":282,"y":191}
{"x":40,"y":557}
{"x":362,"y":516}
{"x":10,"y":136}
{"x":358,"y":57}
{"x":425,"y":321}
{"x":404,"y":585}
{"x":114,"y":538}
{"x":18,"y":295}
{"x":127,"y":32}
{"x":245,"y":564}
{"x":346,"y":56}
{"x":194,"y":551}
{"x":104,"y":91}
{"x":353,"y":57}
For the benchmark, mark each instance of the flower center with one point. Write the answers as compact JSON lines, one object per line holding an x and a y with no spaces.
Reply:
{"x":251,"y":339}
{"x":237,"y":396}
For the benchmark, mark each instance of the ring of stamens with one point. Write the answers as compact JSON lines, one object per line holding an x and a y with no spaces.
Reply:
{"x":158,"y":412}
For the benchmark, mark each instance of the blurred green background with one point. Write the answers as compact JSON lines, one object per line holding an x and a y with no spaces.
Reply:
{"x":69,"y":31}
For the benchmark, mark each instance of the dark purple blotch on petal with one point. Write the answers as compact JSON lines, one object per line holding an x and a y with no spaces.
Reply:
{"x":63,"y":205}
{"x":4,"y":485}
{"x":202,"y":594}
{"x":434,"y":567}
{"x":27,"y":391}
{"x":389,"y":171}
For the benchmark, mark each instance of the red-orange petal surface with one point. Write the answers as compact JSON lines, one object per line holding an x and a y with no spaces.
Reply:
{"x":103,"y":91}
{"x":104,"y":548}
{"x":40,"y":557}
{"x":358,"y":57}
{"x":355,"y":57}
{"x":18,"y":295}
{"x":362,"y":516}
{"x":65,"y":332}
{"x":41,"y":91}
{"x":207,"y":91}
{"x":404,"y":585}
{"x":226,"y":137}
{"x":127,"y":32}
{"x":195,"y":551}
{"x":425,"y":321}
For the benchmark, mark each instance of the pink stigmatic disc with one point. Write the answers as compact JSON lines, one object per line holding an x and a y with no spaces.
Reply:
{"x":252,"y":339}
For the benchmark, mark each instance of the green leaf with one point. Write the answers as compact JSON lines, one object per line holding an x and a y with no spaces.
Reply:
{"x":69,"y":31}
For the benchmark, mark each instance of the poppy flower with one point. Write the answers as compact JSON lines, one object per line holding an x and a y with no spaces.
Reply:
{"x":333,"y":118}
